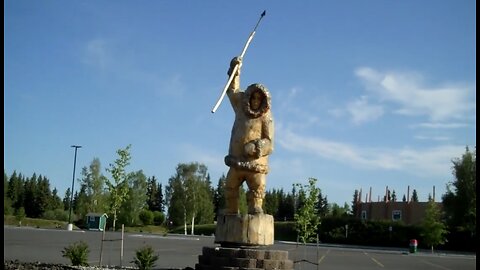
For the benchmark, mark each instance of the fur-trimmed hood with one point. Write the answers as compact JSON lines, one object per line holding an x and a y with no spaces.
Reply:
{"x":264,"y":107}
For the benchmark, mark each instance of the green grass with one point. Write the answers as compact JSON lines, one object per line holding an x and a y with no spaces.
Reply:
{"x":36,"y":223}
{"x":55,"y":224}
{"x":147,"y":229}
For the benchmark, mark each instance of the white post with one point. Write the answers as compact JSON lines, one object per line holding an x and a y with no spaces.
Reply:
{"x":101,"y":245}
{"x":121,"y":247}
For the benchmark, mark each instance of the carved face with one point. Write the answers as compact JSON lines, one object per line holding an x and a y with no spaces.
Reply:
{"x":256,"y":100}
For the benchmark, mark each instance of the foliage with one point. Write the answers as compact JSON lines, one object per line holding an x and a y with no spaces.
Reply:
{"x":146,"y":217}
{"x":460,"y":200}
{"x":57,"y":214}
{"x":20,"y":215}
{"x":414,"y":196}
{"x":189,"y":195}
{"x":306,"y":218}
{"x":433,"y":229}
{"x":158,"y":218}
{"x":145,"y":258}
{"x":77,"y":253}
{"x":339,"y":211}
{"x":35,"y":222}
{"x":356,"y":199}
{"x":155,"y":200}
{"x":66,"y":199}
{"x":81,"y":203}
{"x":137,"y":199}
{"x":7,"y":206}
{"x":219,"y":196}
{"x":118,"y":189}
{"x":93,"y":183}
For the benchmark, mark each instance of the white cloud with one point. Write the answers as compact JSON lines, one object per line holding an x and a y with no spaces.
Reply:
{"x":362,"y":112}
{"x":406,"y":90}
{"x":435,"y":161}
{"x":431,"y":138}
{"x":440,"y":125}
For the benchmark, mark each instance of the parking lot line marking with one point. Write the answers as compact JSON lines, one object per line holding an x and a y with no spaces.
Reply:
{"x":321,"y":259}
{"x":377,"y":262}
{"x":435,"y":265}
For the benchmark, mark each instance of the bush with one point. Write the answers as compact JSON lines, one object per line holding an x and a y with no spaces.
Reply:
{"x":20,"y":215}
{"x":7,"y":207}
{"x":77,"y":253}
{"x":57,"y":214}
{"x":146,"y":216}
{"x":158,"y":218}
{"x":144,"y":258}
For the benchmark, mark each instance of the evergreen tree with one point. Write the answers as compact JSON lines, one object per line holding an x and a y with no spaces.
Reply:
{"x":152,"y":194}
{"x":66,"y":199}
{"x":414,"y":196}
{"x":286,"y":208}
{"x":56,"y":202}
{"x":81,"y":203}
{"x":43,"y":195}
{"x":460,"y":199}
{"x":354,"y":203}
{"x":404,"y":199}
{"x":271,"y":203}
{"x":322,"y":205}
{"x":30,"y":187}
{"x":219,"y":197}
{"x":155,"y":199}
{"x":16,"y":190}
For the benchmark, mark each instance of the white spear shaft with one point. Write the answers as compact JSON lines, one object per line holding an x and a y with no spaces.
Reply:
{"x":235,"y":69}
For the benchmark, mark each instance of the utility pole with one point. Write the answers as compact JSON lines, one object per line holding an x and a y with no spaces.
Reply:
{"x":70,"y":225}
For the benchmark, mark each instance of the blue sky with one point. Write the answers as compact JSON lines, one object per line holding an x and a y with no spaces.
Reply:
{"x":364,"y":93}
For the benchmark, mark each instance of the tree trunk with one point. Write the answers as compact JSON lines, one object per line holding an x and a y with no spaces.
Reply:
{"x":185,"y":220}
{"x":193,"y":224}
{"x":114,"y":219}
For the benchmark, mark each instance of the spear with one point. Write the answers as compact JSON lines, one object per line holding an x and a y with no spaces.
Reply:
{"x":236,"y":66}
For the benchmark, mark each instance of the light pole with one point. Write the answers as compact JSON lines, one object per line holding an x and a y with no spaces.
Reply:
{"x":70,"y":225}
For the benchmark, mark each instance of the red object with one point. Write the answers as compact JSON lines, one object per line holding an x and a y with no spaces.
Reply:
{"x":413,"y":242}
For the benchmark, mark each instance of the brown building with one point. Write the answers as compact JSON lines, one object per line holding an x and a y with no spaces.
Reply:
{"x":409,"y":212}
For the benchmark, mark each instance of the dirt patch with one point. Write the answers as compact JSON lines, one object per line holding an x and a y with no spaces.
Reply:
{"x":16,"y":265}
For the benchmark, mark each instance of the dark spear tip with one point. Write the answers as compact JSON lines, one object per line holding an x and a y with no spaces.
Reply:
{"x":264,"y":12}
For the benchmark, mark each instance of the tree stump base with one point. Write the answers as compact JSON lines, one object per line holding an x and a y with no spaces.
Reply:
{"x":244,"y":230}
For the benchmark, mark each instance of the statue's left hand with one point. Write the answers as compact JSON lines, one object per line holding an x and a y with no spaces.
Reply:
{"x":251,"y":150}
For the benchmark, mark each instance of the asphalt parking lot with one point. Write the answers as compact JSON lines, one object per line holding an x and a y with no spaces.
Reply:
{"x":179,"y":251}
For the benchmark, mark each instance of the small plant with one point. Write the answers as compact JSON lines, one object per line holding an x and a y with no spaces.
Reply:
{"x":144,"y":258}
{"x":20,"y":215}
{"x":77,"y":253}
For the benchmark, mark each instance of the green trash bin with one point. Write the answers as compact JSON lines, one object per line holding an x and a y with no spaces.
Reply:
{"x":413,"y":245}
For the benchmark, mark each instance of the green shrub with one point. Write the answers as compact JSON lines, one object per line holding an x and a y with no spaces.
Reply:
{"x":20,"y":215}
{"x":144,"y":258}
{"x":158,"y":217}
{"x":77,"y":253}
{"x":57,"y":214}
{"x":146,"y":216}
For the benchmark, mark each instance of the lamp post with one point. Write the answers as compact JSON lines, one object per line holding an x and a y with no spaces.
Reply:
{"x":70,"y":225}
